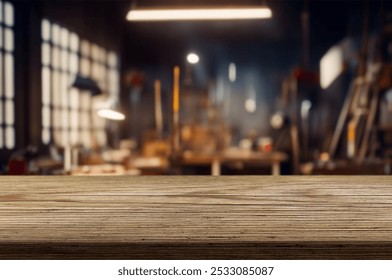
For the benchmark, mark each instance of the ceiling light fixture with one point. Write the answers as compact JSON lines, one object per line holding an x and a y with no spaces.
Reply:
{"x":193,"y":58}
{"x":178,"y":14}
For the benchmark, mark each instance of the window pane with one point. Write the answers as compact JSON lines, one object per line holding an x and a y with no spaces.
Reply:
{"x":74,"y":137}
{"x":56,"y":57}
{"x":56,"y":88}
{"x":64,"y":60}
{"x":71,"y":81}
{"x":56,"y":118}
{"x":101,"y":122}
{"x":85,"y":100}
{"x":46,"y":136}
{"x":74,"y":63}
{"x":9,"y":112}
{"x":65,"y":119}
{"x":8,"y":14}
{"x":74,"y":42}
{"x":86,"y":138}
{"x":95,"y":52}
{"x":88,"y":101}
{"x":46,"y":86}
{"x":85,"y":67}
{"x":85,"y":120}
{"x":1,"y":36}
{"x":65,"y":138}
{"x":85,"y":48}
{"x":1,"y":75}
{"x":1,"y":138}
{"x":45,"y":30}
{"x":9,"y":75}
{"x":1,"y":11}
{"x":56,"y":34}
{"x":96,"y":73}
{"x":46,"y":117}
{"x":113,"y":83}
{"x":74,"y":119}
{"x":97,"y":122}
{"x":112,"y":59}
{"x":1,"y":113}
{"x":74,"y":98}
{"x":57,"y":136}
{"x":46,"y":54}
{"x":103,"y":56}
{"x":64,"y":38}
{"x":10,"y":137}
{"x":101,"y":137}
{"x":8,"y":39}
{"x":64,"y":90}
{"x":104,"y":78}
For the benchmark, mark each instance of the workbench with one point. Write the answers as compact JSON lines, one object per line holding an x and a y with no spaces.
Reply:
{"x":272,"y":159}
{"x":196,"y":217}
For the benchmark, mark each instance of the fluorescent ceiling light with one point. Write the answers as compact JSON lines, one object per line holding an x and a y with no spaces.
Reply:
{"x":111,"y":114}
{"x":252,"y":12}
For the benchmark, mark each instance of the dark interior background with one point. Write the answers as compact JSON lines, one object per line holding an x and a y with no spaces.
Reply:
{"x":265,"y":51}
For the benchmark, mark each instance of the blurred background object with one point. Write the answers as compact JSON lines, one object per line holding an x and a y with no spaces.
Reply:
{"x":195,"y":88}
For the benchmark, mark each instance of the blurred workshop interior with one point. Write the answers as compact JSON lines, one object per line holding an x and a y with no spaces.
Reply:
{"x":218,"y":87}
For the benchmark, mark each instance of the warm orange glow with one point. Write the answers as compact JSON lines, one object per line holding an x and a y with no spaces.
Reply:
{"x":351,"y":138}
{"x":324,"y":157}
{"x":158,"y":106}
{"x":351,"y":131}
{"x":176,"y":90}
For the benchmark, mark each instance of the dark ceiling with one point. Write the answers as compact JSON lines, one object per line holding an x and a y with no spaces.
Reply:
{"x":328,"y":19}
{"x":164,"y":43}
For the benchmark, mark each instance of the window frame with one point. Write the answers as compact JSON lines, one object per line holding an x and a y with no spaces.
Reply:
{"x":93,"y":62}
{"x":7,"y":77}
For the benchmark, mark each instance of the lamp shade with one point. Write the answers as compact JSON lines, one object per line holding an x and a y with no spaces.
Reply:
{"x":84,"y":83}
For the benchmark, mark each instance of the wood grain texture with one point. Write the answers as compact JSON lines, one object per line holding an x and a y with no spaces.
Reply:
{"x":195,"y":217}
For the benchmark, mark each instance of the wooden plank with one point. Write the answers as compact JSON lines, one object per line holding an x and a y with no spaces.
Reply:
{"x":195,"y":217}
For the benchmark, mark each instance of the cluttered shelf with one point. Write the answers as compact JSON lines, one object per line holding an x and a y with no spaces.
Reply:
{"x":257,"y":217}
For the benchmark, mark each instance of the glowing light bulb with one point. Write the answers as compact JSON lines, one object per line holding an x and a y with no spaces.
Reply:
{"x":193,"y":58}
{"x":250,"y":105}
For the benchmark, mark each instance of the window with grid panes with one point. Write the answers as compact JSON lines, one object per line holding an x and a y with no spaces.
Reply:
{"x":7,"y":92}
{"x":68,"y":114}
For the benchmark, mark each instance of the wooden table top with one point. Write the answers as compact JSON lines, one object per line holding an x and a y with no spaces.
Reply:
{"x":195,"y":217}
